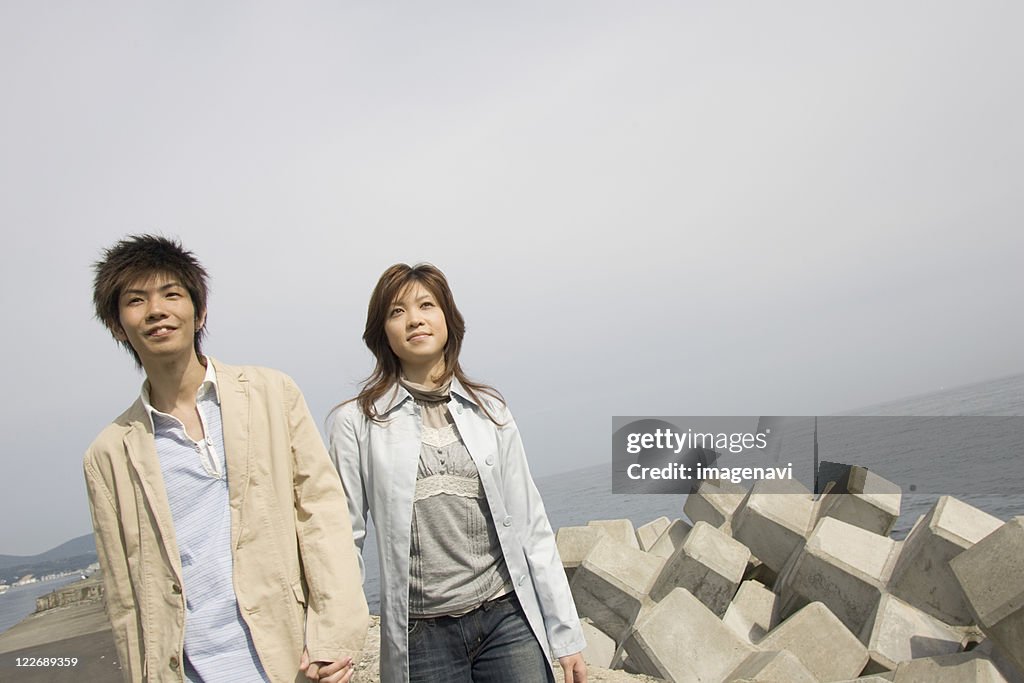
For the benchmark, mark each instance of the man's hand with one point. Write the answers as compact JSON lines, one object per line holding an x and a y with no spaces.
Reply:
{"x":574,"y":668}
{"x":326,"y":672}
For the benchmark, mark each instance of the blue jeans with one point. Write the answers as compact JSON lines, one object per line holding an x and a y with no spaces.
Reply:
{"x":491,"y":644}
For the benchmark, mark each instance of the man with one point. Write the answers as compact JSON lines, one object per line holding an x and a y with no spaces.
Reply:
{"x":221,"y":525}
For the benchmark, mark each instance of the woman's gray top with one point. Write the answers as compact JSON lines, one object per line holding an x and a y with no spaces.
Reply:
{"x":455,"y":559}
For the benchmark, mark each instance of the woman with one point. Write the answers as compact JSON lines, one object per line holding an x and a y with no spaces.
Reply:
{"x":472,"y":588}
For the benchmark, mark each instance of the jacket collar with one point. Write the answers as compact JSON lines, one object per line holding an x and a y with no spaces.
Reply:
{"x":397,"y":395}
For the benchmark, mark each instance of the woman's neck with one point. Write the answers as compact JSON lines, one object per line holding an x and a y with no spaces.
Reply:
{"x":425,"y":375}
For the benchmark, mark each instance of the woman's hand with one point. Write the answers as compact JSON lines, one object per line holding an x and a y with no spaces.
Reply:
{"x":574,"y":668}
{"x":326,"y":672}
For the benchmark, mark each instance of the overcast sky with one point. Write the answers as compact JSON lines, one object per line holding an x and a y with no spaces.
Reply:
{"x":654,"y":208}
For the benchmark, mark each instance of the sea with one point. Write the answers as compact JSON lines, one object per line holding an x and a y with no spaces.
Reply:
{"x":576,"y":497}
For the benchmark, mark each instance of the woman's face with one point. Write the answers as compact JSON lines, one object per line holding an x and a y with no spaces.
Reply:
{"x":416,"y":328}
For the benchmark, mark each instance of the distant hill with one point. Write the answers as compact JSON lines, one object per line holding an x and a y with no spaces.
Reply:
{"x":77,"y":549}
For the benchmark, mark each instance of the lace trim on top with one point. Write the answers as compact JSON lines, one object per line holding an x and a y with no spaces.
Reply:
{"x":451,"y":484}
{"x":439,"y":438}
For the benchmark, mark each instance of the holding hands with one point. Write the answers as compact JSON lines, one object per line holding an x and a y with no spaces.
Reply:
{"x":327,"y":672}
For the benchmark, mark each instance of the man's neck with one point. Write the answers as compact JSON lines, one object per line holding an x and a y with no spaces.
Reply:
{"x":175,"y":382}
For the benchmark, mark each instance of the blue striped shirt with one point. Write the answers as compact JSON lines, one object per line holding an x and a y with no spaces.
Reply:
{"x":218,"y":645}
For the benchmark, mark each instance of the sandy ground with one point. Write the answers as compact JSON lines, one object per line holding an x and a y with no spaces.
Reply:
{"x":82,"y":631}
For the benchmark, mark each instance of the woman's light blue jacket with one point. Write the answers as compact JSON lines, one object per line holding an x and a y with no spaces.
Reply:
{"x":378,"y":464}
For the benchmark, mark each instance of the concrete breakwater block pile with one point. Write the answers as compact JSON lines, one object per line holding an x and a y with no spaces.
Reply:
{"x":84,"y":591}
{"x":773,"y":585}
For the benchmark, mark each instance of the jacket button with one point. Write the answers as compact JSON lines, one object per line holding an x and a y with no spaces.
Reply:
{"x":521,"y":579}
{"x":176,"y":589}
{"x":173,"y":663}
{"x":458,"y":408}
{"x":489,"y":461}
{"x":507,"y":521}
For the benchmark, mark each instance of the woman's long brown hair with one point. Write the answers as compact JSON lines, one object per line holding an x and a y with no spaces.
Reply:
{"x":390,"y":285}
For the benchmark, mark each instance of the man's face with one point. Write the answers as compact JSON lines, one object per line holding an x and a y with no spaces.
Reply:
{"x":158,"y":318}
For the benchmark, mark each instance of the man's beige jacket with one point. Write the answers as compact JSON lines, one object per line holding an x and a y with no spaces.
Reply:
{"x":296,"y":576}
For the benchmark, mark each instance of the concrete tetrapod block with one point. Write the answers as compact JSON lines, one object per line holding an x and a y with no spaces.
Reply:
{"x":871,"y":502}
{"x":671,"y":539}
{"x":773,"y":521}
{"x":821,"y":642}
{"x":753,"y":611}
{"x":709,"y":564}
{"x":713,"y":501}
{"x":611,"y":584}
{"x":842,"y":566}
{"x":600,"y":649}
{"x":963,"y":667}
{"x":681,"y":640}
{"x":621,"y":659}
{"x":1006,"y":667}
{"x":775,"y":666}
{"x":650,"y":532}
{"x":898,"y":632}
{"x":620,"y":529}
{"x":760,"y":572}
{"x":574,"y":543}
{"x":991,"y":575}
{"x":922,"y":576}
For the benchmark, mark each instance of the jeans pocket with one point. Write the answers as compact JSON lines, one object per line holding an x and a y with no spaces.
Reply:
{"x":415,"y":626}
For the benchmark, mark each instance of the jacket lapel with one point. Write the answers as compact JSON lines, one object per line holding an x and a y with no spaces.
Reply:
{"x":140,"y":446}
{"x":235,"y":418}
{"x":474,"y":432}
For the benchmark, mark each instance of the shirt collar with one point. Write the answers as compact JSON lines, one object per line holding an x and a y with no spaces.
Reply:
{"x":209,"y":383}
{"x":460,"y":391}
{"x":397,"y":395}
